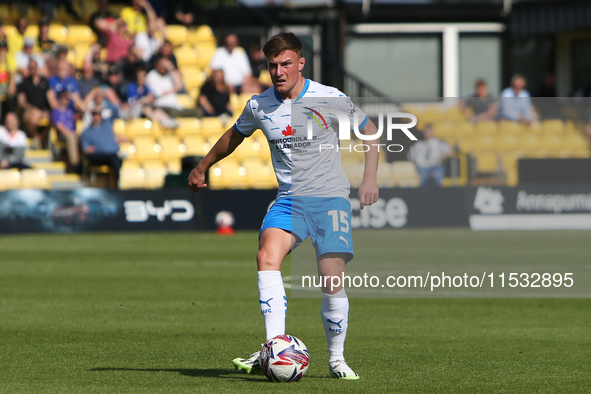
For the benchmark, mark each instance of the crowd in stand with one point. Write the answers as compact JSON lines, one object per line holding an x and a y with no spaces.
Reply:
{"x":130,"y":72}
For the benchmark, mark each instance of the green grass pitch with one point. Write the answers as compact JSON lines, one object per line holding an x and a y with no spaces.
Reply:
{"x":166,"y":313}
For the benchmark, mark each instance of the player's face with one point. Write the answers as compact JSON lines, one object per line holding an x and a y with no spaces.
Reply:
{"x":285,"y":70}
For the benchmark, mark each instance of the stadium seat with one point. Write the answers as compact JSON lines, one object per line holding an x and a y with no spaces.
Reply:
{"x":34,"y":179}
{"x":146,"y":148}
{"x":58,"y":33}
{"x":552,"y":126}
{"x":202,"y":35}
{"x":10,"y":179}
{"x":186,"y":57}
{"x":488,"y":127}
{"x":484,"y":142}
{"x":185,"y":101}
{"x":529,"y":143}
{"x":249,"y":148}
{"x":212,"y":125}
{"x":130,"y":164}
{"x":508,"y":143}
{"x":132,"y":178}
{"x":454,"y":113}
{"x":195,"y":145}
{"x":576,"y":145}
{"x":80,"y":34}
{"x":385,"y":178}
{"x":509,"y":161}
{"x":465,"y":144}
{"x":119,"y":127}
{"x":204,"y":54}
{"x":354,"y":173}
{"x":80,"y":52}
{"x":445,"y":130}
{"x":193,"y":77}
{"x":32,"y":31}
{"x":172,"y":148}
{"x":405,"y":174}
{"x":155,"y":172}
{"x":188,"y":126}
{"x":142,"y":126}
{"x":552,"y":143}
{"x":258,"y":174}
{"x":127,"y":150}
{"x":228,"y":174}
{"x":177,"y":34}
{"x":486,"y":162}
{"x":508,"y":127}
{"x":174,"y":166}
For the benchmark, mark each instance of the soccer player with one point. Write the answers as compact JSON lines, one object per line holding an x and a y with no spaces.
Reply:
{"x":316,"y":205}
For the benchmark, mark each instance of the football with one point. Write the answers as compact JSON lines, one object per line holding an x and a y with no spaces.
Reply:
{"x":284,"y":358}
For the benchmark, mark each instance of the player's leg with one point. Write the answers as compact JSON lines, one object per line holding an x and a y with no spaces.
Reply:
{"x":274,"y":245}
{"x":335,"y":313}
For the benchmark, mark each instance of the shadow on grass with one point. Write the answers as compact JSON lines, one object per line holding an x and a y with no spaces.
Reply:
{"x":202,"y":373}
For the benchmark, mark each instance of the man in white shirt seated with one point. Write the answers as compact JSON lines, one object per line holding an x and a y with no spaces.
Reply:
{"x":428,"y":156}
{"x":515,"y":102}
{"x":233,"y":60}
{"x":164,"y":81}
{"x":13,"y":143}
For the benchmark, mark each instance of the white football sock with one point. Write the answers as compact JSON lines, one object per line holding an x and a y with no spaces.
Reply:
{"x":273,"y":302}
{"x":335,"y":315}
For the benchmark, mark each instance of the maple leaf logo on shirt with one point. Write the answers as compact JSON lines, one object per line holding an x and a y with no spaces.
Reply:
{"x":288,"y":131}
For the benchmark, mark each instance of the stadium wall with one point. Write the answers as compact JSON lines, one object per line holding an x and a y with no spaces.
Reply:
{"x":535,"y":207}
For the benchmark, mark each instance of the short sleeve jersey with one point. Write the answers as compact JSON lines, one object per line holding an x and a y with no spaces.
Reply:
{"x":302,"y":168}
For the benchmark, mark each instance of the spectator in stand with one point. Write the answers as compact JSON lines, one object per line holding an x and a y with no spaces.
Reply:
{"x":63,"y":119}
{"x":100,"y":67}
{"x":480,"y":103}
{"x":101,"y":13}
{"x":257,"y":59}
{"x":16,"y":39}
{"x":7,"y":77}
{"x":118,"y":41}
{"x":138,"y":15}
{"x":233,"y":60}
{"x":100,"y":98}
{"x":100,"y":144}
{"x":46,"y":44}
{"x":13,"y":143}
{"x":147,"y":42}
{"x":32,"y":100}
{"x":88,"y":80}
{"x":428,"y":155}
{"x":515,"y":102}
{"x":182,"y":11}
{"x":23,"y":58}
{"x":166,"y":53}
{"x":165,"y":82}
{"x":140,"y":100}
{"x":115,"y":83}
{"x":131,"y":63}
{"x":47,"y":6}
{"x":64,"y":82}
{"x":214,"y":98}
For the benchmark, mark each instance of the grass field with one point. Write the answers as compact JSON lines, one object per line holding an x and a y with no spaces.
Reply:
{"x":166,"y":312}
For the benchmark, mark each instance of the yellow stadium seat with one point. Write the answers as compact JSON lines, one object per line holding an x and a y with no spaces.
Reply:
{"x":10,"y":179}
{"x":174,"y":166}
{"x":204,"y":54}
{"x":132,"y":178}
{"x":185,"y":101}
{"x":445,"y":130}
{"x":193,"y":77}
{"x":405,"y":174}
{"x":508,"y":143}
{"x":186,"y":56}
{"x":259,"y":175}
{"x":142,"y":126}
{"x":203,"y":34}
{"x":249,"y":148}
{"x":228,"y":174}
{"x":508,"y":127}
{"x":509,"y":161}
{"x":195,"y":145}
{"x":58,"y":33}
{"x":188,"y":126}
{"x":177,"y":34}
{"x":552,"y":142}
{"x":465,"y":144}
{"x":130,"y":164}
{"x":464,"y":128}
{"x":454,"y":113}
{"x":576,"y":142}
{"x":212,"y":125}
{"x":80,"y":34}
{"x":119,"y":127}
{"x":385,"y":178}
{"x":127,"y":150}
{"x":146,"y":148}
{"x":155,"y":171}
{"x":553,"y":126}
{"x":5,"y":15}
{"x":172,"y":148}
{"x":32,"y":31}
{"x":487,"y":163}
{"x":529,"y":143}
{"x":265,"y":78}
{"x":34,"y":179}
{"x":486,"y":127}
{"x":484,"y":143}
{"x":354,"y":173}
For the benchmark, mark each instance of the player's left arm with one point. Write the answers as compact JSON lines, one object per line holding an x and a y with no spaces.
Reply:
{"x":369,"y":191}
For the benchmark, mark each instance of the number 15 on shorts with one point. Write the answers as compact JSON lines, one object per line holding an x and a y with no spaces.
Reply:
{"x":340,"y":220}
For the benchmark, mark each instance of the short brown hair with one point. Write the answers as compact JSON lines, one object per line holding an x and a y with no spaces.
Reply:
{"x":282,"y":42}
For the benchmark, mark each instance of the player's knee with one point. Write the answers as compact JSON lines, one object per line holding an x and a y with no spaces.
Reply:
{"x":267,"y":262}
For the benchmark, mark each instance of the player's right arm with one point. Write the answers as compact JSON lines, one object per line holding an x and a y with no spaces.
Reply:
{"x":227,"y":143}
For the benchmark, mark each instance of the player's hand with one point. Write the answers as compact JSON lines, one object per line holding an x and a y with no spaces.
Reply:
{"x":196,"y":180}
{"x":368,"y":193}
